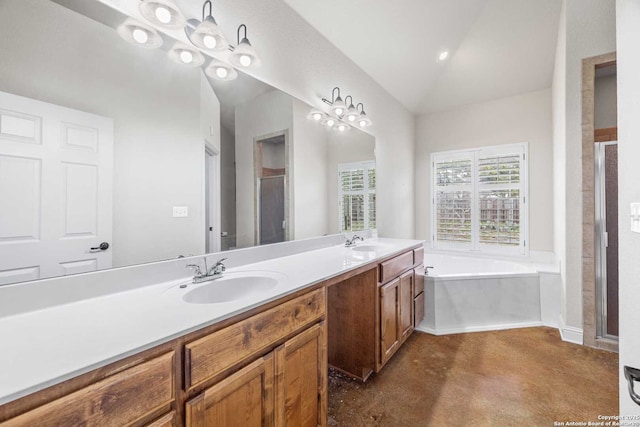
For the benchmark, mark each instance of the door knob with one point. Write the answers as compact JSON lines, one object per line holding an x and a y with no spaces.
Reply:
{"x":102,"y":247}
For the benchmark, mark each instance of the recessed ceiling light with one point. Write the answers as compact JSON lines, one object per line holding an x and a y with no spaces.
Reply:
{"x":443,"y":55}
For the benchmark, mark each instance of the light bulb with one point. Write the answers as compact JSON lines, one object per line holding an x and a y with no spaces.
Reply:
{"x":342,"y":128}
{"x":339,"y":111}
{"x":209,"y":41}
{"x":362,"y":123}
{"x":163,"y":14}
{"x":443,"y":55}
{"x":245,"y":60}
{"x":186,"y":56}
{"x":140,"y":36}
{"x":317,"y":116}
{"x":222,"y":72}
{"x":330,"y":122}
{"x":351,"y":117}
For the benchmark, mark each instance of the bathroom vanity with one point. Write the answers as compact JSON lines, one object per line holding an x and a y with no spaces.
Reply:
{"x":258,"y":362}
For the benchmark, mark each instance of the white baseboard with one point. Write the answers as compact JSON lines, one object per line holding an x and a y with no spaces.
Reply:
{"x":467,"y":329}
{"x":570,"y":333}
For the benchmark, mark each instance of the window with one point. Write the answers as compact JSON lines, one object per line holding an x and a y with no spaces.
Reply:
{"x":479,"y":199}
{"x":357,"y":196}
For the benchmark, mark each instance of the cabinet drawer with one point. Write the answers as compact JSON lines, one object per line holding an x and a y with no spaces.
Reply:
{"x":392,"y":268}
{"x":212,"y":354}
{"x":419,"y":286}
{"x":418,"y":256}
{"x":119,"y":400}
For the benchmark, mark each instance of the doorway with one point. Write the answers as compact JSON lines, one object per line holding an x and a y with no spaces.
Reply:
{"x":272,"y":188}
{"x":599,"y":206}
{"x":212,"y":198}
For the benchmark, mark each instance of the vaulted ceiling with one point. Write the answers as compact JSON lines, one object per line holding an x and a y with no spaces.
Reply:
{"x":497,"y":48}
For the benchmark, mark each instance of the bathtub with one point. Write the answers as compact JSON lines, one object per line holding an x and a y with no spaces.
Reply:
{"x":466,"y":294}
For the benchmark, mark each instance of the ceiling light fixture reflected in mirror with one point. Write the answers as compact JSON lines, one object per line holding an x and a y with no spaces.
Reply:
{"x":206,"y":34}
{"x":182,"y":54}
{"x":244,"y":55}
{"x":353,"y":115}
{"x":139,"y":34}
{"x":221,"y":71}
{"x":164,"y":13}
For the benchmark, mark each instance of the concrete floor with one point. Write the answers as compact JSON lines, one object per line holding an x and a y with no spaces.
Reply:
{"x":519,"y":377}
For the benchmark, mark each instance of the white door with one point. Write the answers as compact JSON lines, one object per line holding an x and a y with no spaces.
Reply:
{"x":56,"y":167}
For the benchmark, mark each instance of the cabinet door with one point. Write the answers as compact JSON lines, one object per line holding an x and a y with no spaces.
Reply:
{"x":389,"y":319}
{"x":243,"y":399}
{"x":406,"y":304}
{"x":301,"y":379}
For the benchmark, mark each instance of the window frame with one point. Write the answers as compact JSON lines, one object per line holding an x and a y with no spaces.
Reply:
{"x":366,"y":165}
{"x":474,"y":154}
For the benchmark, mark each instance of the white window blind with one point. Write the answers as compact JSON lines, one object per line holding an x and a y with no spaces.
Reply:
{"x":357,"y":196}
{"x":478,"y":199}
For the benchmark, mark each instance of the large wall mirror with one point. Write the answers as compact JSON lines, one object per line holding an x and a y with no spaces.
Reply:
{"x":104,"y":142}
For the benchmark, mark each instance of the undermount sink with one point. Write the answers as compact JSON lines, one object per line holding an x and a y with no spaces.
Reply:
{"x":232,"y":287}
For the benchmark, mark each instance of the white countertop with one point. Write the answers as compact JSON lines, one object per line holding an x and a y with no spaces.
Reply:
{"x":45,"y":347}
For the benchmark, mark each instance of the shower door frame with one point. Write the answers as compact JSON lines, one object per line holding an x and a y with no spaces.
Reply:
{"x":601,"y":239}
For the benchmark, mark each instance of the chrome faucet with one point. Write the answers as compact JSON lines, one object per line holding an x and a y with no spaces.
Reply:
{"x":352,"y":242}
{"x":212,"y":273}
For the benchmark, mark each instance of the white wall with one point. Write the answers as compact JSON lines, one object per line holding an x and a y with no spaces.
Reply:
{"x":628,"y":40}
{"x":266,"y":114}
{"x":559,"y":109}
{"x":589,"y":30}
{"x":606,"y":102}
{"x":355,"y":146}
{"x":522,"y":118}
{"x":310,"y":176}
{"x":158,"y":147}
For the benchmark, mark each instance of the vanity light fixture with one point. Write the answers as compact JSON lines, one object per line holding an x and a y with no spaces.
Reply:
{"x":342,"y":127}
{"x":221,"y":71}
{"x":139,"y":34}
{"x":206,"y":34}
{"x":243,"y":54}
{"x":352,"y":112}
{"x":362,"y":120}
{"x":182,"y":54}
{"x":329,"y":121}
{"x":337,"y":104}
{"x":164,"y":13}
{"x":316,"y":115}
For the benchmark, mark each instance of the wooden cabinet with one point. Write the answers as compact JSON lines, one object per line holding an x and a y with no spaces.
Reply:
{"x":287,"y":387}
{"x":242,"y":399}
{"x":301,"y":380}
{"x":127,"y":398}
{"x":363,"y":339}
{"x":389,"y":319}
{"x":418,"y":299}
{"x":406,"y":304}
